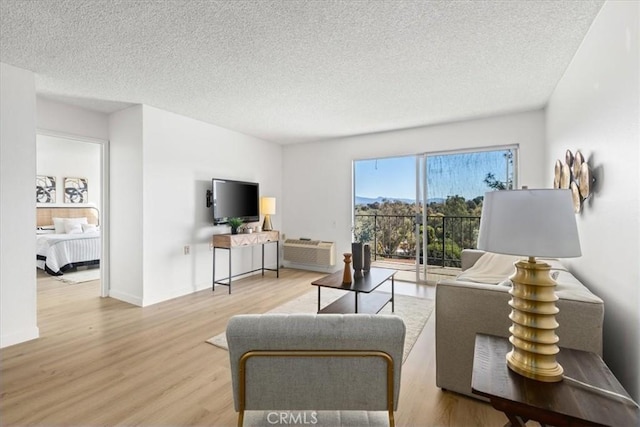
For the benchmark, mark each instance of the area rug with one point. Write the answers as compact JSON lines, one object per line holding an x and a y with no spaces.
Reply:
{"x":414,"y":312}
{"x":79,"y":276}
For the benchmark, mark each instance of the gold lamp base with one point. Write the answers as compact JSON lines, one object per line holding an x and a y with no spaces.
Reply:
{"x":533,"y":336}
{"x":266,"y":224}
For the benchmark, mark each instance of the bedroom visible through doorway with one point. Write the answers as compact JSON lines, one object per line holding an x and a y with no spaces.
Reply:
{"x":70,"y":197}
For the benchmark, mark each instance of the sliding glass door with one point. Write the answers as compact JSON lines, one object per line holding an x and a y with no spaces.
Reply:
{"x":419,"y":212}
{"x":450,"y":191}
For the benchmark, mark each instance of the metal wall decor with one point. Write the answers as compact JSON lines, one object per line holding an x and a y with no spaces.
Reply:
{"x":574,"y":174}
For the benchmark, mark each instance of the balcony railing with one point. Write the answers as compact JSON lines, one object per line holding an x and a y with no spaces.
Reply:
{"x":393,"y":236}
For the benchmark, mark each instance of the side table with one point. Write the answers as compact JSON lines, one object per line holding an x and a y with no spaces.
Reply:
{"x":565,"y":403}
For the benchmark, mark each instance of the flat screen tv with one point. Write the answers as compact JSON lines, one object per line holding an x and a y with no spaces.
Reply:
{"x":235,"y":199}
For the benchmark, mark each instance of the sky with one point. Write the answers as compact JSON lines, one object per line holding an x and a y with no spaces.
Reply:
{"x":448,"y":174}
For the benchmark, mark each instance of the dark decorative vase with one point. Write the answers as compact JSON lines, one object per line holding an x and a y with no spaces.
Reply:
{"x":366,"y":262}
{"x":356,"y":250}
{"x":346,"y":277}
{"x":234,"y":230}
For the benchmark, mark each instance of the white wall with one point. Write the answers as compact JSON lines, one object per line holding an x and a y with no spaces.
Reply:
{"x":126,"y":208}
{"x":181,"y":155}
{"x":58,"y":117}
{"x":317,"y":177}
{"x":161,"y":167}
{"x":595,"y":108}
{"x":18,"y":320}
{"x":61,"y":158}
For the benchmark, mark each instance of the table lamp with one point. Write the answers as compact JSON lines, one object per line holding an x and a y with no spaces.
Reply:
{"x":268,"y":208}
{"x":531,"y":223}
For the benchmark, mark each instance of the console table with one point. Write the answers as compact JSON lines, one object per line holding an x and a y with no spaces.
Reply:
{"x":565,"y":403}
{"x":231,"y":241}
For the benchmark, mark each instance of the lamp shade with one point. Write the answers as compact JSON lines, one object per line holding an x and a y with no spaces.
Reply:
{"x":528,"y":222}
{"x":268,"y":205}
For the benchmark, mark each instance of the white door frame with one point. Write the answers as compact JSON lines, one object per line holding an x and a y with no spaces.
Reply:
{"x":104,"y":200}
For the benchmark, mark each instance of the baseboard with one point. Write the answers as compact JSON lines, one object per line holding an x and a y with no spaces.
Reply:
{"x":125,"y":297}
{"x":311,"y":267}
{"x":20,"y":337}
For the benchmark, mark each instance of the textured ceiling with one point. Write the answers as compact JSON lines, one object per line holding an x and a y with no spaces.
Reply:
{"x":295,"y":71}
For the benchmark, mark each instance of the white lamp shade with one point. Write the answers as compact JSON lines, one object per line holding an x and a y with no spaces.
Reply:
{"x":539,"y":223}
{"x":268,"y":205}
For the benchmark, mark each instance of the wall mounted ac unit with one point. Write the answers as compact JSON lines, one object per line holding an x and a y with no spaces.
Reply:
{"x":312,"y":252}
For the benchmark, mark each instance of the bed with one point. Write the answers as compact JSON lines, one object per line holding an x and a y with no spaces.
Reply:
{"x":67,"y":238}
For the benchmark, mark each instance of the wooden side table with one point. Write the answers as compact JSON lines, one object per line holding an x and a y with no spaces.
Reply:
{"x":231,"y":241}
{"x":565,"y":403}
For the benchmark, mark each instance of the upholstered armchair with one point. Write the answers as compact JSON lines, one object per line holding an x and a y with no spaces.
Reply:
{"x":316,"y":369}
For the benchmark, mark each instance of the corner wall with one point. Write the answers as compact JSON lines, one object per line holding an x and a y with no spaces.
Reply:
{"x":18,"y":320}
{"x":318,"y":180}
{"x":125,"y":205}
{"x":180,"y":157}
{"x":161,"y":167}
{"x":595,"y":109}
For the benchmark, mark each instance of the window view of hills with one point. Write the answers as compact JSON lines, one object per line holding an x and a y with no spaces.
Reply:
{"x":390,"y":225}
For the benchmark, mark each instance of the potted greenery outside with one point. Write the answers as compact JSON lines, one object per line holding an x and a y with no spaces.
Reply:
{"x":235,"y":223}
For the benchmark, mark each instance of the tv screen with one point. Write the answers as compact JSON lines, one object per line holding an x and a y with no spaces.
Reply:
{"x":235,"y":199}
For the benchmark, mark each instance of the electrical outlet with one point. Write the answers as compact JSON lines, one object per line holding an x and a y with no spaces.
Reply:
{"x":211,"y":245}
{"x":187,"y":249}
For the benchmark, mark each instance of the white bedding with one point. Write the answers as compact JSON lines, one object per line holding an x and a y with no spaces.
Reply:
{"x":56,"y":253}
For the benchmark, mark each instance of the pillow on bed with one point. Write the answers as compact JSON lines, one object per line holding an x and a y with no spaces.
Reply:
{"x":89,"y":228}
{"x":74,"y":225}
{"x":58,"y":225}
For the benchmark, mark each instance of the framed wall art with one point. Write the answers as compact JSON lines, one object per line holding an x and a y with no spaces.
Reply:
{"x":76,"y":190}
{"x":45,"y":189}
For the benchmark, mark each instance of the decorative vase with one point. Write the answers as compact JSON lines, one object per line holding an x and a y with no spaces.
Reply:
{"x":356,"y":250}
{"x":234,"y":230}
{"x":366,"y":262}
{"x":346,"y":277}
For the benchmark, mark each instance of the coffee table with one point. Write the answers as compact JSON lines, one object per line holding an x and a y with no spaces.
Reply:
{"x":361,"y":298}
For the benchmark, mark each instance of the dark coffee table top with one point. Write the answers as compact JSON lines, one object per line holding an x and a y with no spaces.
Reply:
{"x":367,"y":283}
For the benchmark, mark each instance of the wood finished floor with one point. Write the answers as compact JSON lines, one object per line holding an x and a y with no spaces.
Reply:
{"x":100,"y":361}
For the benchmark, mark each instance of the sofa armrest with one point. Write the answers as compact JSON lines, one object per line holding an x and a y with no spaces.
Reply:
{"x":468,"y":258}
{"x":462,"y":310}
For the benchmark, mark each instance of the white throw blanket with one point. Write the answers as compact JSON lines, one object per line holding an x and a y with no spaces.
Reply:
{"x":490,"y":268}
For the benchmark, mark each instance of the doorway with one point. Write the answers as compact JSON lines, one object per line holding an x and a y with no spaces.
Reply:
{"x":76,"y":170}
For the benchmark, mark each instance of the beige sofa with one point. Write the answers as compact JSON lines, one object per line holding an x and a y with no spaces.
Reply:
{"x":464,"y":308}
